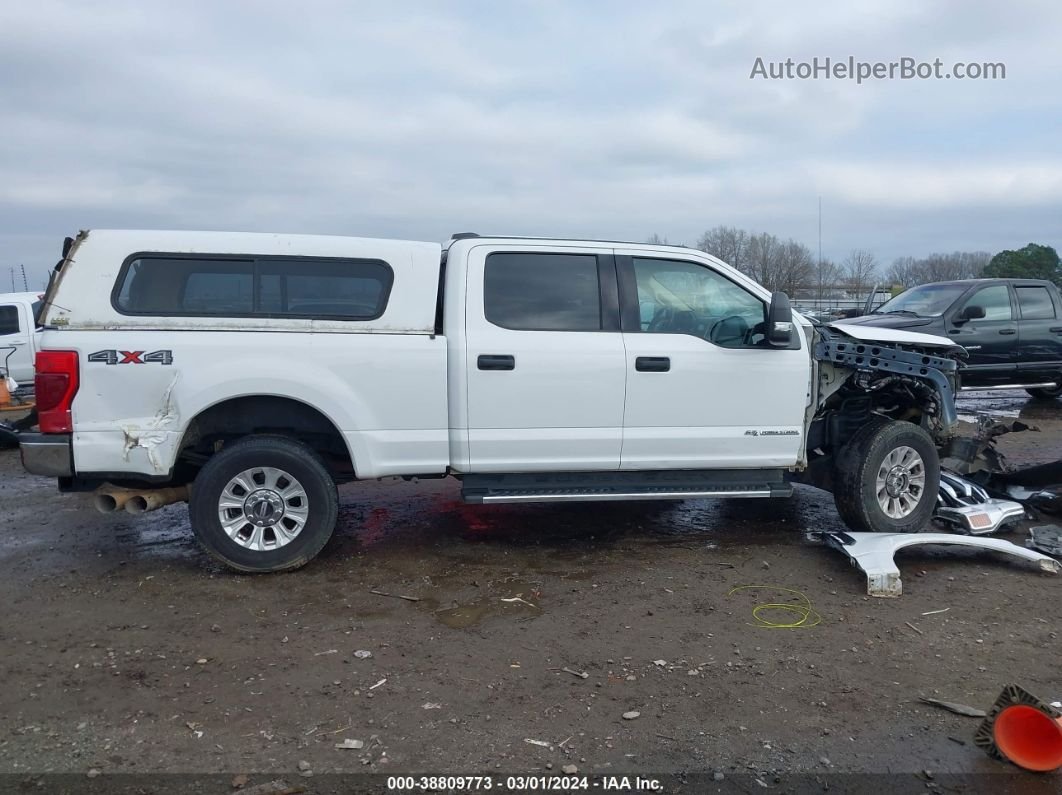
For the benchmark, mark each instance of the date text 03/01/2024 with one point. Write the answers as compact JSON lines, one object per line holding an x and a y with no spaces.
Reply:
{"x":518,"y":783}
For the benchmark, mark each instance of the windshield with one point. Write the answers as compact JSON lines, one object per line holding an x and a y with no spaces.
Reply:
{"x":929,"y":300}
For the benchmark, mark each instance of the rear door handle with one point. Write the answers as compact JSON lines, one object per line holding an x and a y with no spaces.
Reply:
{"x":496,"y":361}
{"x":652,"y":364}
{"x":1008,"y":331}
{"x":1056,"y":329}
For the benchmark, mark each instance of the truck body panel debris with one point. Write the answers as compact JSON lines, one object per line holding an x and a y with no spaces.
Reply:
{"x":874,"y":553}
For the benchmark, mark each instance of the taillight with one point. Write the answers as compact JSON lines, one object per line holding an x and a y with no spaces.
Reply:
{"x":55,"y":384}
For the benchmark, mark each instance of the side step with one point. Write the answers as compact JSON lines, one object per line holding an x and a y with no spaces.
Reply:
{"x":599,"y":486}
{"x":1047,"y":385}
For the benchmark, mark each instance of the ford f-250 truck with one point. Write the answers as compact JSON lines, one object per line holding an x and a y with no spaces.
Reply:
{"x":251,"y":373}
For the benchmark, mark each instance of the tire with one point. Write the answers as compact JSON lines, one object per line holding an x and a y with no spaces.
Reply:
{"x":1046,"y":394}
{"x":909,"y":489}
{"x":286,"y":511}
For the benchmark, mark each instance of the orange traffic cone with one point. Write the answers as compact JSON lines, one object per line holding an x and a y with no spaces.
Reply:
{"x":1024,"y":730}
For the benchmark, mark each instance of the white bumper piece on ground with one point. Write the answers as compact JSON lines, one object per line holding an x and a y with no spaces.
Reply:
{"x":874,"y":553}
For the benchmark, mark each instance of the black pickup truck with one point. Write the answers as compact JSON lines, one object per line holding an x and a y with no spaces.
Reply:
{"x":1012,"y":329}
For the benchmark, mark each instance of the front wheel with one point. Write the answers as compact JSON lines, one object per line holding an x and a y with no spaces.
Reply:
{"x":1048,"y":393}
{"x":887,"y":477}
{"x":264,"y":503}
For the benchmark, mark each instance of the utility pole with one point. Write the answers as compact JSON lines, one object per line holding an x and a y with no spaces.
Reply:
{"x":12,"y":269}
{"x":25,"y":284}
{"x":820,"y":231}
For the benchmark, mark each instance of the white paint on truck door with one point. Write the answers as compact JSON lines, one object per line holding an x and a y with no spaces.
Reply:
{"x":545,"y":383}
{"x":724,"y":400}
{"x":16,"y":348}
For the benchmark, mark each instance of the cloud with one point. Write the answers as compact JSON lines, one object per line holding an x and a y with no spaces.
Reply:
{"x":420,"y":119}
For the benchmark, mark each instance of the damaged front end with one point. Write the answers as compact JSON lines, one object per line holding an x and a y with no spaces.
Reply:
{"x":907,"y":376}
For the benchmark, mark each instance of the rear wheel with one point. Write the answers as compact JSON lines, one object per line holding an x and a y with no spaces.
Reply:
{"x":1049,"y":393}
{"x":264,"y":503}
{"x":886,"y":479}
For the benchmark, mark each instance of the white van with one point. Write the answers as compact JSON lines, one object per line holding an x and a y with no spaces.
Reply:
{"x":18,"y":338}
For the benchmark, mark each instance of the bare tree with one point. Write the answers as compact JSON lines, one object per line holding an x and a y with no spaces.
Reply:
{"x":908,"y":271}
{"x":828,"y":275}
{"x":860,"y":268}
{"x":793,"y":267}
{"x":728,"y":243}
{"x":904,"y":271}
{"x":764,"y":251}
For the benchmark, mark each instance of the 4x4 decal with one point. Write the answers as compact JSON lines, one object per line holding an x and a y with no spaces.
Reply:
{"x":131,"y":357}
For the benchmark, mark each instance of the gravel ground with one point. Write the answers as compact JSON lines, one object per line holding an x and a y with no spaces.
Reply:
{"x":126,"y":650}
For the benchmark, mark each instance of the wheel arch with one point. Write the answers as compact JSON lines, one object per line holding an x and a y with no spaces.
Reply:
{"x":265,"y":413}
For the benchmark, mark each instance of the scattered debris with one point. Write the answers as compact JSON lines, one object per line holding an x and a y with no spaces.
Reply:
{"x":580,"y":674}
{"x":968,"y":508}
{"x":521,"y":601}
{"x":541,"y":743}
{"x":968,"y":457}
{"x":950,"y":706}
{"x":912,"y":626}
{"x":330,"y":651}
{"x":350,"y":745}
{"x":395,"y":595}
{"x":363,"y":654}
{"x":303,"y":765}
{"x":1046,"y":538}
{"x":935,"y":612}
{"x":661,"y":663}
{"x":569,"y":770}
{"x":239,"y":781}
{"x":631,"y":715}
{"x":201,"y":661}
{"x":381,"y":682}
{"x":873,"y":553}
{"x":806,"y":615}
{"x":431,"y":705}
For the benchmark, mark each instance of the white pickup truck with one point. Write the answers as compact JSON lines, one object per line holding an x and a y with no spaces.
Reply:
{"x":251,"y":373}
{"x":18,"y":336}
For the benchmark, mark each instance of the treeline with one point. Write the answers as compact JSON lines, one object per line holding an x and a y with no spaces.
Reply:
{"x":793,"y":268}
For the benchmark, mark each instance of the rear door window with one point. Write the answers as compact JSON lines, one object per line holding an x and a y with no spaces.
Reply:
{"x":542,"y":291}
{"x":1035,"y":303}
{"x":8,"y":320}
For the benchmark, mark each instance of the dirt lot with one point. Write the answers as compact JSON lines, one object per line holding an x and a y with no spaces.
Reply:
{"x":125,"y":649}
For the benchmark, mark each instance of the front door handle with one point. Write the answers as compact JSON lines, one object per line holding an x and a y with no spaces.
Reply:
{"x":1008,"y":331}
{"x":1056,"y":329}
{"x":652,"y":364}
{"x":495,"y":361}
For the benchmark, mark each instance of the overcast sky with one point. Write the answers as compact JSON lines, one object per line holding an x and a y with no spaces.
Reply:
{"x":589,"y":119}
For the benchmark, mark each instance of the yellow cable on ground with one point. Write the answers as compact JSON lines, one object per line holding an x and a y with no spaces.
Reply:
{"x":808,"y":616}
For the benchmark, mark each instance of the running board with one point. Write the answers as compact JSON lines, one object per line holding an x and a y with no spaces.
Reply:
{"x":602,"y":486}
{"x":1048,"y":385}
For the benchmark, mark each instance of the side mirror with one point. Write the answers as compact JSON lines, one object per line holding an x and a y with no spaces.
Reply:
{"x":972,"y":312}
{"x":779,"y":321}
